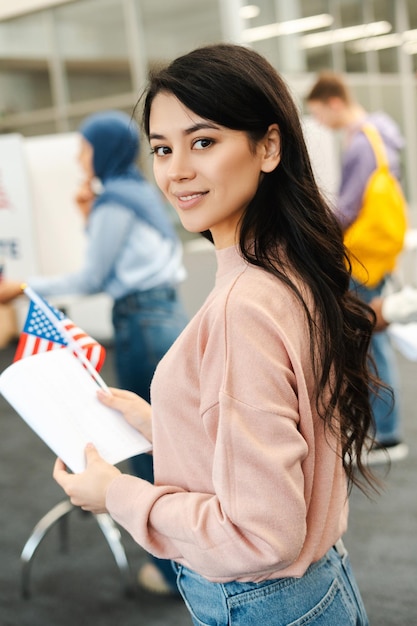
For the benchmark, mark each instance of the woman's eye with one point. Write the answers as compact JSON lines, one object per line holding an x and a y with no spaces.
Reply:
{"x":160,"y":150}
{"x":200,"y":144}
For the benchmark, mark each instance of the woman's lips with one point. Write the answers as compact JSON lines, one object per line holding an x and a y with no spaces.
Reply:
{"x":189,"y":199}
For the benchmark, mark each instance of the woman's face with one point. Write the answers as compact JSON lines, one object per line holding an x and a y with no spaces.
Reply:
{"x":85,"y":158}
{"x":208,"y":172}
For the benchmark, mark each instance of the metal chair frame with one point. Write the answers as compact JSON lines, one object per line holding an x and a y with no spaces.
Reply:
{"x":59,"y":515}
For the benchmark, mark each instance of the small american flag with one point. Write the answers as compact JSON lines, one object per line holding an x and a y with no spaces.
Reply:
{"x":40,"y":335}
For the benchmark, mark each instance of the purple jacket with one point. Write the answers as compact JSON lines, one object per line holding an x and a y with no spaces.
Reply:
{"x":358,"y":163}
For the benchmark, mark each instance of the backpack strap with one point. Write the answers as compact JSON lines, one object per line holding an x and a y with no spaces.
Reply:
{"x":377,"y":144}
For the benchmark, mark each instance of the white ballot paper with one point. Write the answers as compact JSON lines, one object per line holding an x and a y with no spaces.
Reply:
{"x":56,"y":396}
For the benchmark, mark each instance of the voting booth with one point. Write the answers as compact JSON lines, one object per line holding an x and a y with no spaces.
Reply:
{"x":41,"y":230}
{"x":17,"y":241}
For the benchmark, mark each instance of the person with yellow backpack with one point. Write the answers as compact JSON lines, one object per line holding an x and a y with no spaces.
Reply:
{"x":372,"y":212}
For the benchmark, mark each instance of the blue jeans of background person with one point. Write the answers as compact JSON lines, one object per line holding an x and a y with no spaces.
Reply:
{"x":385,"y":408}
{"x":327,"y":595}
{"x":146,"y":324}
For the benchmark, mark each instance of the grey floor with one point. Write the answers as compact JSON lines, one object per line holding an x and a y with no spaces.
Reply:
{"x":82,"y":585}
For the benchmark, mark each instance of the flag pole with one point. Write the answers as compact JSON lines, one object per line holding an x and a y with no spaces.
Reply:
{"x":72,"y":344}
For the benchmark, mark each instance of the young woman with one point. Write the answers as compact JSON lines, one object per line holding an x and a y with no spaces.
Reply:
{"x":261,"y":405}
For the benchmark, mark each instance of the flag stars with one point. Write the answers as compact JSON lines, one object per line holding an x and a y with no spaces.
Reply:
{"x":40,"y":326}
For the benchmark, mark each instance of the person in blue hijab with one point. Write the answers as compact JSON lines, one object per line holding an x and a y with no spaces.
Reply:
{"x":113,"y":140}
{"x":134,"y":255}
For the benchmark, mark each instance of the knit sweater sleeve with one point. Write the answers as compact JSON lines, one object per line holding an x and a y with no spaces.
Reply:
{"x":242,"y":515}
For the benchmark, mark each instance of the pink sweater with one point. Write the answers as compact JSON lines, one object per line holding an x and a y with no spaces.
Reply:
{"x":248,"y":486}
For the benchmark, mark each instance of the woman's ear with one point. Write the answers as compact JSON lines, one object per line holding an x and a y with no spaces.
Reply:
{"x":272,"y":149}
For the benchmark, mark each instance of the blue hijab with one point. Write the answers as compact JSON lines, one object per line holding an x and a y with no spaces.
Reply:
{"x":114,"y":137}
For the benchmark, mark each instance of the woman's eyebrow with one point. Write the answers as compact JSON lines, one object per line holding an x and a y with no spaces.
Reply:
{"x":190,"y":130}
{"x":201,"y":126}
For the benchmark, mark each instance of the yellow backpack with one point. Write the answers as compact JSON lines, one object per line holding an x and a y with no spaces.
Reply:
{"x":376,"y":237}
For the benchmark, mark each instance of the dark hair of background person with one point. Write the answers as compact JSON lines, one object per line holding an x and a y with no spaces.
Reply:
{"x":329,"y":85}
{"x":237,"y":88}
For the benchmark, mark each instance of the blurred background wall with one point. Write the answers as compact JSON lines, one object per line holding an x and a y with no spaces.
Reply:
{"x":62,"y":59}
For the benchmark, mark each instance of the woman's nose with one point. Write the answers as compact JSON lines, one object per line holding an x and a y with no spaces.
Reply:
{"x":180,"y":167}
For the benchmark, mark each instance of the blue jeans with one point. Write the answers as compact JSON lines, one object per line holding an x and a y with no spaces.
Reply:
{"x":385,"y":407}
{"x":146,"y":324}
{"x":327,"y":595}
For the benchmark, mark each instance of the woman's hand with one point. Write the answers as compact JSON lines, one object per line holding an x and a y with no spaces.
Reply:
{"x":84,"y":198}
{"x":89,"y":488}
{"x":9,"y":290}
{"x":136,"y":411}
{"x":380,"y":323}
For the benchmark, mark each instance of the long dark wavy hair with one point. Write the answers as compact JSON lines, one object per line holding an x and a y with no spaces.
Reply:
{"x":288,"y":229}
